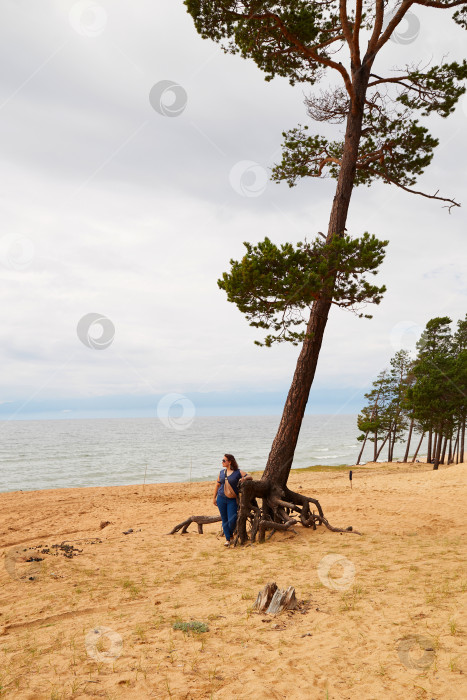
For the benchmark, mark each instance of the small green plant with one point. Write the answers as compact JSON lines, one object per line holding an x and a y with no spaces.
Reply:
{"x":131,"y":587}
{"x":350,"y":598}
{"x":141,"y":633}
{"x":453,"y":626}
{"x":75,"y":687}
{"x":196,"y":627}
{"x":382,"y":670}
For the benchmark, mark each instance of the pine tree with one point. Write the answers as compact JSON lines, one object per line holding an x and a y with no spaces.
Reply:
{"x":432,"y":398}
{"x":384,"y":140}
{"x":385,"y":415}
{"x":460,"y":380}
{"x":369,"y":420}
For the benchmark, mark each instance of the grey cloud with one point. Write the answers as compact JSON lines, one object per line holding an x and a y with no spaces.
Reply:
{"x":132,"y":214}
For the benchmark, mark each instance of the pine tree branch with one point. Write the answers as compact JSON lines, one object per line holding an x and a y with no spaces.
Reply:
{"x":386,"y":35}
{"x":441,"y":5}
{"x":387,"y":177}
{"x":379,"y":18}
{"x":329,"y":159}
{"x":309,"y":52}
{"x":328,"y":42}
{"x":347,"y":31}
{"x":398,"y":79}
{"x":356,"y":30}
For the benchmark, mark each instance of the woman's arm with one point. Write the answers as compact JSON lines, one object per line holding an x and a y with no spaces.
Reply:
{"x":245,"y":476}
{"x":218,"y":483}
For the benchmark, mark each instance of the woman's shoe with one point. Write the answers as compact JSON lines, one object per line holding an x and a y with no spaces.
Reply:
{"x":226,"y":544}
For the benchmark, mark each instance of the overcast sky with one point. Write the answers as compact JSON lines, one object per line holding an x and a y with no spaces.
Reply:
{"x":123,"y":202}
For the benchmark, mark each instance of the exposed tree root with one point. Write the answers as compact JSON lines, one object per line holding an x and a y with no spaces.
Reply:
{"x":278,"y":511}
{"x":200,"y":520}
{"x":337,"y":529}
{"x":269,"y":525}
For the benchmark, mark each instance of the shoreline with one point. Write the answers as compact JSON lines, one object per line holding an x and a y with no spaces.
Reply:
{"x":318,"y":468}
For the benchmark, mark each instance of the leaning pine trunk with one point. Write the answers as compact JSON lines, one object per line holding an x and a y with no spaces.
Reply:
{"x":382,"y":445}
{"x":443,"y":453}
{"x":455,"y":452}
{"x":393,"y":443}
{"x":388,"y":437}
{"x":363,"y":447}
{"x":461,"y":454}
{"x":390,"y":445}
{"x":283,"y":448}
{"x":438,"y":447}
{"x":418,"y":447}
{"x":406,"y":456}
{"x":428,"y":454}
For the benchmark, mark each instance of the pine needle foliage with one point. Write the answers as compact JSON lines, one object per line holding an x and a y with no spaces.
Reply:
{"x":272,"y":285}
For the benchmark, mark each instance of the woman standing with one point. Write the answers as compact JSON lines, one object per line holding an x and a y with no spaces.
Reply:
{"x":226,"y":494}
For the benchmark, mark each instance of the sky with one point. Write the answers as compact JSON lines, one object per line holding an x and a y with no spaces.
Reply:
{"x":135,"y":162}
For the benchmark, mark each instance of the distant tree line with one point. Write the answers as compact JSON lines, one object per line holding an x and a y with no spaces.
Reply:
{"x":421,"y":397}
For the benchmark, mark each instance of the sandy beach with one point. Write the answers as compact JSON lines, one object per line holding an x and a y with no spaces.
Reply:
{"x":382,"y":614}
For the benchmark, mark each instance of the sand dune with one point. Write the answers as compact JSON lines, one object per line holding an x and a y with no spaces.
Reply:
{"x":95,"y":617}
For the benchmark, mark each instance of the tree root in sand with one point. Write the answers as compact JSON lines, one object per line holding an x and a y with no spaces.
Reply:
{"x":281,"y":509}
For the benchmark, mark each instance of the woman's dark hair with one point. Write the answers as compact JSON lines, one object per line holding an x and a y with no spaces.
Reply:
{"x":233,"y":462}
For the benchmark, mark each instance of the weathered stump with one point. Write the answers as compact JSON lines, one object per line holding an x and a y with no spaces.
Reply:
{"x":272,"y":600}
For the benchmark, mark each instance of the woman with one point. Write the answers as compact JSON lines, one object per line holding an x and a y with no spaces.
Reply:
{"x":228,"y":505}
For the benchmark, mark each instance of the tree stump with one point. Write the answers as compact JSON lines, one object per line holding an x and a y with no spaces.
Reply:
{"x":272,"y":600}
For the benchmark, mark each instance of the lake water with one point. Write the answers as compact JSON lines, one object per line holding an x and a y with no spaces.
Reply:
{"x":44,"y":454}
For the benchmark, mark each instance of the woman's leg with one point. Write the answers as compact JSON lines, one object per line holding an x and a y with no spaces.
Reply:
{"x":232,"y":515}
{"x":223,"y":504}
